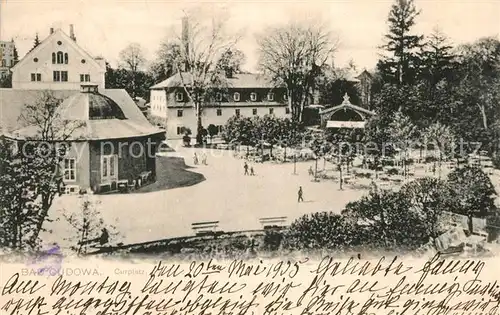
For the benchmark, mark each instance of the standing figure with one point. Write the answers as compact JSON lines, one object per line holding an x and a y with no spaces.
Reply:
{"x":311,"y":172}
{"x":251,"y":171}
{"x":195,"y":159}
{"x":300,"y":193}
{"x":204,"y":158}
{"x":246,"y":168}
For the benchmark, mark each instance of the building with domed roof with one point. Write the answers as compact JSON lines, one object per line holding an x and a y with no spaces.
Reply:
{"x":109,"y":149}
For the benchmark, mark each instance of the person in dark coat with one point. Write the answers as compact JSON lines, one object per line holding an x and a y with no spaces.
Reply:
{"x":300,"y":195}
{"x":246,"y":168}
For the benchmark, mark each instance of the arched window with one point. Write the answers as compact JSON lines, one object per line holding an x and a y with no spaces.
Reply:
{"x":53,"y":58}
{"x":66,"y":58}
{"x":60,"y":57}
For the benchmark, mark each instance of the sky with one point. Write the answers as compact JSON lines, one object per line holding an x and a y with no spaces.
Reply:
{"x":104,"y":27}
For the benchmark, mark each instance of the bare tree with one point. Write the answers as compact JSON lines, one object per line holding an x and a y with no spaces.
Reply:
{"x":203,"y":44}
{"x":293,"y":55}
{"x":30,"y":178}
{"x":132,"y":59}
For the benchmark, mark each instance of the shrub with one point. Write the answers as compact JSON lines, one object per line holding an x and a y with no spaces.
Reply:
{"x":473,"y":191}
{"x":319,"y":230}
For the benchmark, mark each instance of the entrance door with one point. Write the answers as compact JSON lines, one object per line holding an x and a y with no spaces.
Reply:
{"x":109,"y":168}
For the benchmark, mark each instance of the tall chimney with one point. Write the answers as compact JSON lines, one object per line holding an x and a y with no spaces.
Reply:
{"x":51,"y":30}
{"x":185,"y":42}
{"x":72,"y":32}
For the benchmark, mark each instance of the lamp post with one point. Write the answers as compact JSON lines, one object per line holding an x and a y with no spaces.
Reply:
{"x":295,"y":163}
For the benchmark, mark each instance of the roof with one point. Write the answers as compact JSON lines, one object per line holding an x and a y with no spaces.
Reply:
{"x":101,"y":129}
{"x":238,"y":80}
{"x":46,"y":41}
{"x":346,"y":104}
{"x":12,"y":102}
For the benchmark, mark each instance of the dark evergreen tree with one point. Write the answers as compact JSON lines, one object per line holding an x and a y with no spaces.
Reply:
{"x":401,"y":64}
{"x":437,"y":61}
{"x":36,"y":42}
{"x":15,"y":54}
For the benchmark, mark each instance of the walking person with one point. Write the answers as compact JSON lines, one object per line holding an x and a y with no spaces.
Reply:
{"x":300,"y":195}
{"x":251,"y":171}
{"x":246,"y":168}
{"x":195,"y":159}
{"x":204,"y":159}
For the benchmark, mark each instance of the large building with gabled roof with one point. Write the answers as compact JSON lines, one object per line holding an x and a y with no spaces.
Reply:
{"x":114,"y":145}
{"x":58,"y":63}
{"x":244,"y":94}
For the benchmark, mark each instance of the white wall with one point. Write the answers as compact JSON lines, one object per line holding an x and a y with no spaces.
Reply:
{"x":158,"y":103}
{"x":209,"y":116}
{"x":21,"y":76}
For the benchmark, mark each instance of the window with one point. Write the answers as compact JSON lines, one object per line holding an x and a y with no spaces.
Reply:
{"x":237,"y":111}
{"x":236,"y":97}
{"x":180,"y":129}
{"x":64,"y":76}
{"x":271,"y":111}
{"x":254,"y":111}
{"x":219,"y":112}
{"x":84,"y":77}
{"x":35,"y":59}
{"x":109,"y":167}
{"x":60,"y":57}
{"x":270,"y":97}
{"x":59,"y":42}
{"x":287,"y":110}
{"x":36,"y":77}
{"x":220,"y":128}
{"x":69,"y":169}
{"x":66,"y":58}
{"x":179,"y":97}
{"x":56,"y":76}
{"x":53,"y":58}
{"x":179,"y":113}
{"x":83,"y":61}
{"x":253,"y":96}
{"x":218,"y":97}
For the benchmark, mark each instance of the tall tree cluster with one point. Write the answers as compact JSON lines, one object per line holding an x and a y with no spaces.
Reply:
{"x":293,"y":56}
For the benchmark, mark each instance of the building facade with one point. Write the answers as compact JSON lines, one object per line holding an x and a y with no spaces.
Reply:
{"x":58,"y":63}
{"x":245,"y":95}
{"x":109,"y":148}
{"x":7,"y":58}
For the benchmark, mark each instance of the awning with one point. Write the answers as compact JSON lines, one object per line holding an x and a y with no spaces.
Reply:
{"x":345,"y":124}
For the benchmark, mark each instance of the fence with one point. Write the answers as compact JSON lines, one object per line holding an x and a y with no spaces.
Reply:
{"x":462,"y":220}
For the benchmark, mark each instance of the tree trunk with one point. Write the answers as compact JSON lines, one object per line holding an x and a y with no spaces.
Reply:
{"x":483,"y":114}
{"x":199,"y":125}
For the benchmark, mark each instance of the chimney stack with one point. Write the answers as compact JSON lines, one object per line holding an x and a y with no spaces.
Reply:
{"x":51,"y":30}
{"x":185,"y":42}
{"x":72,"y":32}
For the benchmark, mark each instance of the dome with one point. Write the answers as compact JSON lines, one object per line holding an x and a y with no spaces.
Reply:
{"x":90,"y":105}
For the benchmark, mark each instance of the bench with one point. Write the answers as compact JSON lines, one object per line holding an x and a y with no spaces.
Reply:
{"x":272,"y":222}
{"x":203,"y":228}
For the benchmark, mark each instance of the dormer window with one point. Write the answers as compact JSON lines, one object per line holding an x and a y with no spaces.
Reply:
{"x":179,"y":97}
{"x":218,"y":97}
{"x":236,"y":97}
{"x":270,"y":96}
{"x":253,"y":96}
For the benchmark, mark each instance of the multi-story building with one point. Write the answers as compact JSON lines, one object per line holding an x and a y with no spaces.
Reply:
{"x":113,"y":147}
{"x":58,"y":63}
{"x":246,"y":95}
{"x":7,"y":59}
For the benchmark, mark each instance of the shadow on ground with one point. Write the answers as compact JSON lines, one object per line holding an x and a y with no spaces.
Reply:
{"x":172,"y":172}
